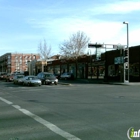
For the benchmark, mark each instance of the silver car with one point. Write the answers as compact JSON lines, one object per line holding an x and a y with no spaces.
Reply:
{"x":17,"y":79}
{"x":31,"y":80}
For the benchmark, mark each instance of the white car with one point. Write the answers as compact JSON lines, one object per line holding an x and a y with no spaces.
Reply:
{"x":31,"y":80}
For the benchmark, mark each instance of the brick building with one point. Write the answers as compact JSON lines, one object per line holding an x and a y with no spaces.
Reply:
{"x":16,"y":62}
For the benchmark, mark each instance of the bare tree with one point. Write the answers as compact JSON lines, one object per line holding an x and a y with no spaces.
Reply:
{"x":75,"y":46}
{"x":44,"y":50}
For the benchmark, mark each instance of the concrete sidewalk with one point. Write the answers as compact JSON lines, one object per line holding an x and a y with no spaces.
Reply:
{"x":95,"y":81}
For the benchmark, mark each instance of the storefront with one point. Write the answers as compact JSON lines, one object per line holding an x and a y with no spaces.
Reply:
{"x":96,"y":70}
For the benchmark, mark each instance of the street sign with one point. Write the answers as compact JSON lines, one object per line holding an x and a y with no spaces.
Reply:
{"x":119,"y":47}
{"x":94,"y":45}
{"x":118,"y":60}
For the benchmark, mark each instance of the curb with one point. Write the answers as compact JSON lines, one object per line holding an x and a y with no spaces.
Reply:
{"x":101,"y":82}
{"x":66,"y":84}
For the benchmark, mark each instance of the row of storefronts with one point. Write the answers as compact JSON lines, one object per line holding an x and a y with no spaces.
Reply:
{"x":106,"y":68}
{"x":84,"y":67}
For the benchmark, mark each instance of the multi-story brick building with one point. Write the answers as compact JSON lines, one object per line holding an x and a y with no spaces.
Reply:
{"x":12,"y":62}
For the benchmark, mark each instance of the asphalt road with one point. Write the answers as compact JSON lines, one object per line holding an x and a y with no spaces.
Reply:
{"x":68,"y":112}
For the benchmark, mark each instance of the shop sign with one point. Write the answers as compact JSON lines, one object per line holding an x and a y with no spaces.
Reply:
{"x":119,"y":60}
{"x":49,"y":62}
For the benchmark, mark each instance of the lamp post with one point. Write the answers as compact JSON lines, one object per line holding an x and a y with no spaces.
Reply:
{"x":89,"y":52}
{"x":35,"y":71}
{"x":28,"y":64}
{"x":126,"y":56}
{"x":127,"y":33}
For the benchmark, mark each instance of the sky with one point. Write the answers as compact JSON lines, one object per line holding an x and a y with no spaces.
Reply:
{"x":26,"y":23}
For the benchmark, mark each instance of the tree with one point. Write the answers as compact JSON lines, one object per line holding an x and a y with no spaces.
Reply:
{"x":75,"y":46}
{"x":44,"y":50}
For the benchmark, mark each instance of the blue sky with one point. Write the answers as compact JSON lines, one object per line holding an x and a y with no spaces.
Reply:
{"x":26,"y":23}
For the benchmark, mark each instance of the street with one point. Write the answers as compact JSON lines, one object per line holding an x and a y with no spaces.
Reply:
{"x":68,"y":112}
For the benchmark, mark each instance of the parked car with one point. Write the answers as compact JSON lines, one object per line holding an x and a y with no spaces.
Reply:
{"x":18,"y":79}
{"x":31,"y":80}
{"x":66,"y":76}
{"x":47,"y":78}
{"x":3,"y":75}
{"x":9,"y":77}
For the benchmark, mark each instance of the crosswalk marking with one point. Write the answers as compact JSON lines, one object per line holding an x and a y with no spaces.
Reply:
{"x":42,"y":121}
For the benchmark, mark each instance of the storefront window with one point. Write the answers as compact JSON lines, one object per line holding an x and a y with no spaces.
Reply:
{"x":111,"y":70}
{"x":80,"y":71}
{"x":57,"y":69}
{"x":101,"y":71}
{"x":134,"y":69}
{"x":72,"y":69}
{"x":63,"y":68}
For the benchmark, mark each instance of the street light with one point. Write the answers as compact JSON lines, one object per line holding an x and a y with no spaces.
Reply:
{"x":35,"y":71}
{"x":89,"y":53}
{"x":127,"y":33}
{"x":126,"y":64}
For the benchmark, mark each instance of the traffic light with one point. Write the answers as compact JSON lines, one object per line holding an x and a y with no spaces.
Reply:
{"x":126,"y":65}
{"x":125,"y":53}
{"x":125,"y":59}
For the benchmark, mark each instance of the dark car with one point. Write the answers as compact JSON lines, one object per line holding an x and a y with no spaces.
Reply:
{"x":3,"y":75}
{"x":47,"y":78}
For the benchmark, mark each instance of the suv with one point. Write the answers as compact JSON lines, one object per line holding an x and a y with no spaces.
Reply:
{"x":47,"y":78}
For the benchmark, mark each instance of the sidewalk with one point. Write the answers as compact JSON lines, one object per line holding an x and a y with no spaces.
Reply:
{"x":95,"y":81}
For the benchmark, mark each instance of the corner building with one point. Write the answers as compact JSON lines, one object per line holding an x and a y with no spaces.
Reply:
{"x":16,"y":62}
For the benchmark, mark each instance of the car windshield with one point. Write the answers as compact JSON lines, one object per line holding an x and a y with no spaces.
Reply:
{"x":32,"y":78}
{"x":20,"y":76}
{"x":49,"y":75}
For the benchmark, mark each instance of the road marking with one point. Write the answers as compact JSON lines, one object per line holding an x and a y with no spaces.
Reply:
{"x":6,"y":101}
{"x":49,"y":125}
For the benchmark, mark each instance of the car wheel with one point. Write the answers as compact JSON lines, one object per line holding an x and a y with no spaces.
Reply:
{"x":47,"y":83}
{"x":55,"y":83}
{"x":43,"y":82}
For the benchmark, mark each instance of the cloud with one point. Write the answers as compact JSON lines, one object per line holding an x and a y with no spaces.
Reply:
{"x":60,"y":29}
{"x":121,"y":7}
{"x":57,"y":22}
